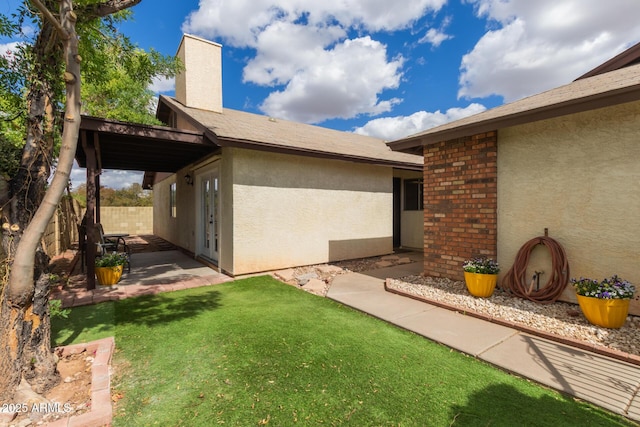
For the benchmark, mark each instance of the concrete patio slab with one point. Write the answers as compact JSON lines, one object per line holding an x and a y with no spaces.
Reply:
{"x":163,"y":267}
{"x":609,"y":382}
{"x":151,"y":273}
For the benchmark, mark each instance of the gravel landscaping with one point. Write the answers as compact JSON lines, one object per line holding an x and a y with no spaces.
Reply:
{"x":562,"y":319}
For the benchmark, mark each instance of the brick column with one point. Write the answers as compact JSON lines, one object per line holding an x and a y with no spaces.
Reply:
{"x":460,"y":203}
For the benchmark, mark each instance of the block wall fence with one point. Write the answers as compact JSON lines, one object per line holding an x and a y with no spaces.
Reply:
{"x":133,"y":220}
{"x":460,"y":203}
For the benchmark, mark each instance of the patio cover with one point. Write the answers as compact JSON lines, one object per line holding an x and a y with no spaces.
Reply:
{"x":110,"y":144}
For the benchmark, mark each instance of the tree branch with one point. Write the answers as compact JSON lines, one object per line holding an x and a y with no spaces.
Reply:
{"x":105,"y":8}
{"x":52,"y":19}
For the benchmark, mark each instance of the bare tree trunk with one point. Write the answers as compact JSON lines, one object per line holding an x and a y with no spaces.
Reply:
{"x":25,"y":347}
{"x":25,"y":327}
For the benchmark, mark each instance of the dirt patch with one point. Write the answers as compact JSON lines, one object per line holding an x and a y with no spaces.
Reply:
{"x":72,"y":396}
{"x":373,"y":263}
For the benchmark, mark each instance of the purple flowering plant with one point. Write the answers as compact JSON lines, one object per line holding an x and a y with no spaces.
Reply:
{"x":610,"y":288}
{"x":481,"y":265}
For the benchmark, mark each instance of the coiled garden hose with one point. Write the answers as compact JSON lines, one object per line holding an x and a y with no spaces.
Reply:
{"x":516,"y":278}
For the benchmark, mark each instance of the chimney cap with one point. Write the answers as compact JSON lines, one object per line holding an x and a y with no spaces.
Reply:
{"x":191,"y":36}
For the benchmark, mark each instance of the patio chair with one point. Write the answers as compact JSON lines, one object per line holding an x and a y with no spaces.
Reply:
{"x":82,"y":242}
{"x":110,"y":244}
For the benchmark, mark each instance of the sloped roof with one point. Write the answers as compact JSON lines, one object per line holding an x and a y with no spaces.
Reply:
{"x":629,"y":57}
{"x":233,"y":128}
{"x":601,"y":90}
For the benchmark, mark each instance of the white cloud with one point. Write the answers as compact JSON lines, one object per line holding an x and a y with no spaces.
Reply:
{"x":274,"y":64}
{"x":162,"y":84}
{"x":239,"y":22}
{"x":78,"y":175}
{"x":392,"y":128}
{"x":535,"y":46}
{"x":7,"y":49}
{"x":303,"y":51}
{"x":435,"y":37}
{"x":116,"y":179}
{"x":334,"y":84}
{"x":28,"y":30}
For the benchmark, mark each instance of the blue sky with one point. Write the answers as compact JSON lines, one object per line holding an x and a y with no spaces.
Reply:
{"x":387,"y":69}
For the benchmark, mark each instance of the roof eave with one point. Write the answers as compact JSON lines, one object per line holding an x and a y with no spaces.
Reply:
{"x":592,"y":102}
{"x":275,"y":148}
{"x":624,"y":59}
{"x":97,"y":124}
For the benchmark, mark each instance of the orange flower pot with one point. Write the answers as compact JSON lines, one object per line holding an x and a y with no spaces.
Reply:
{"x":608,"y":313}
{"x":480,"y":285}
{"x":108,"y":276}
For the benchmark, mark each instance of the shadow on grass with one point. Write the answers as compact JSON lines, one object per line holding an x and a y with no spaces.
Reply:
{"x":88,"y":323}
{"x":84,"y":324}
{"x":504,"y":405}
{"x":166,"y":307}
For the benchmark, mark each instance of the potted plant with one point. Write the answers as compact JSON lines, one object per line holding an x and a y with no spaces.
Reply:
{"x":481,"y":276}
{"x":109,"y":268}
{"x":604,"y":303}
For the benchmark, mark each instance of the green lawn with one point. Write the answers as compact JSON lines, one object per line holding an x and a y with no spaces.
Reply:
{"x":258,"y":352}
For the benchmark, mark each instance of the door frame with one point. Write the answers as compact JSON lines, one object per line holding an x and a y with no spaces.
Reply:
{"x":397,"y":212}
{"x":213,"y":254}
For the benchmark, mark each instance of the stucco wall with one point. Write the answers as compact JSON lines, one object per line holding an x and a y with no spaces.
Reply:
{"x":292,"y":210}
{"x":281,"y":211}
{"x":163,"y":224}
{"x":579,"y":177}
{"x":199,"y":85}
{"x":181,"y":229}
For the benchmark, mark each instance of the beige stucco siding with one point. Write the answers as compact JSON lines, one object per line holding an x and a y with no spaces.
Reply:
{"x":281,"y":210}
{"x":578,"y":176}
{"x":226,"y":256}
{"x":292,"y":210}
{"x":162,"y":223}
{"x":181,"y":229}
{"x":200,"y":84}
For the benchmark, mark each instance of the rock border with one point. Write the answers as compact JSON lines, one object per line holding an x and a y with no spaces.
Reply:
{"x":615,"y":354}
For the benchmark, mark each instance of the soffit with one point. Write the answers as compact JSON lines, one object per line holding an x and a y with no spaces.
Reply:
{"x":127,"y":146}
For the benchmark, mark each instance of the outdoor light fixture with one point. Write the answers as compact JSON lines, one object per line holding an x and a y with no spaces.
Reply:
{"x":188,"y":179}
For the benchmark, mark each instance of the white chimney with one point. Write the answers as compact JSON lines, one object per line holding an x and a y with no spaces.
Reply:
{"x":200,"y":84}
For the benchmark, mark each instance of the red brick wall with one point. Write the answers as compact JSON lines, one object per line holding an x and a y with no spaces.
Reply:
{"x":460,"y":203}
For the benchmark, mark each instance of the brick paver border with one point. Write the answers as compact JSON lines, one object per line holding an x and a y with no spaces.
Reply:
{"x":101,"y":412}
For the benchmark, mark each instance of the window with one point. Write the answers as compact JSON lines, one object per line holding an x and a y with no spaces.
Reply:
{"x":172,"y":200}
{"x":413,"y":195}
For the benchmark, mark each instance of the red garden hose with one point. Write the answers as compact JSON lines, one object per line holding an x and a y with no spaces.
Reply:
{"x":516,"y":278}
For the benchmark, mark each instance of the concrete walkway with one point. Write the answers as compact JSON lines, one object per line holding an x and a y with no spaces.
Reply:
{"x":602,"y":380}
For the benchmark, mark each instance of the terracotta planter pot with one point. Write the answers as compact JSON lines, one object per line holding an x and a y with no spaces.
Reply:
{"x":608,"y":313}
{"x":108,"y":276}
{"x":480,"y":285}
